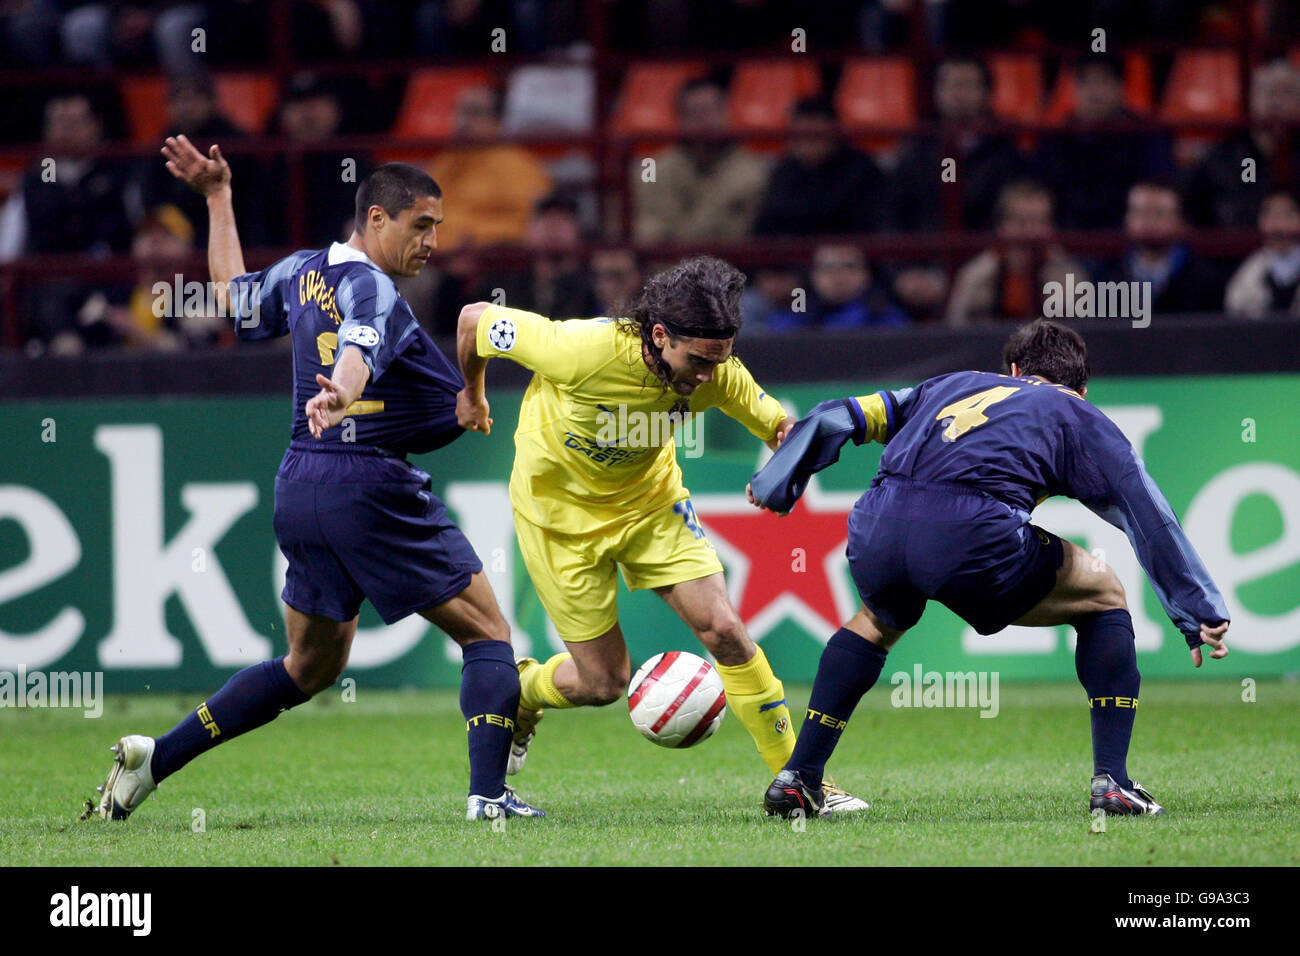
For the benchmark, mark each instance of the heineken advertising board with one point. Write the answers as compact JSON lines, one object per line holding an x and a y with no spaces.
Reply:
{"x":136,"y":540}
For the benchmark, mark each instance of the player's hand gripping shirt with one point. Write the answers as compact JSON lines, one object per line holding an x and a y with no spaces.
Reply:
{"x":595,"y":437}
{"x":333,"y":298}
{"x":1019,"y":440}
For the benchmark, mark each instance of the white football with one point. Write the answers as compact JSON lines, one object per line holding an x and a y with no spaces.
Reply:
{"x":676,"y":699}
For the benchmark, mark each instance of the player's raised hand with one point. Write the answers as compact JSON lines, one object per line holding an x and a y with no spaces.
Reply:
{"x":326,"y":408}
{"x":204,"y":174}
{"x":472,"y":412}
{"x":1213,"y":636}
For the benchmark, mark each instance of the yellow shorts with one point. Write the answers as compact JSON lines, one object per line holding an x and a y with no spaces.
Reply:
{"x":576,"y":576}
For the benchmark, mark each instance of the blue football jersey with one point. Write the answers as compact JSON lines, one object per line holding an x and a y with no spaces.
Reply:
{"x":1018,"y":440}
{"x":330,"y":299}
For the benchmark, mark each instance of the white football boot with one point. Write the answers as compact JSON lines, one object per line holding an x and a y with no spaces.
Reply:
{"x":841,"y":801}
{"x":130,"y":780}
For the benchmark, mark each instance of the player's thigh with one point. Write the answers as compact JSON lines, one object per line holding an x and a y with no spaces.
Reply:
{"x":472,"y":615}
{"x":704,"y":605}
{"x":877,"y":553}
{"x":1084,"y":585}
{"x":666,"y":547}
{"x":399,"y":543}
{"x":575,"y":580}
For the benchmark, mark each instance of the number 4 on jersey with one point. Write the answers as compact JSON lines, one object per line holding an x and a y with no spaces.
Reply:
{"x":967,"y":413}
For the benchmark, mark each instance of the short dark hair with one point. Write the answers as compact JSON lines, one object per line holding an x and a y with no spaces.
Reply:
{"x":1054,"y":351}
{"x":393,"y":187}
{"x":815,"y":107}
{"x":701,"y":293}
{"x":699,"y":83}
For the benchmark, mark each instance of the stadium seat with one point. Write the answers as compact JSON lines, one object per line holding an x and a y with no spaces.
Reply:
{"x":1017,"y":86}
{"x":1138,"y":97}
{"x":430,"y":101}
{"x":1202,"y":85}
{"x":145,"y":100}
{"x":246,"y":99}
{"x":764,"y":91}
{"x":877,"y":92}
{"x":647,"y":102}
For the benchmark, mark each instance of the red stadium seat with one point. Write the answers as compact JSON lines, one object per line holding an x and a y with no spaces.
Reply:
{"x":877,"y":92}
{"x":1138,"y":96}
{"x":430,"y":101}
{"x":1203,"y":85}
{"x":145,"y":101}
{"x":648,"y":100}
{"x":1017,"y":86}
{"x":246,"y":99}
{"x":764,"y":91}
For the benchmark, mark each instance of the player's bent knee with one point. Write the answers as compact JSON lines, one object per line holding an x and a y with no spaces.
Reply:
{"x":1111,"y":592}
{"x":725,"y":636}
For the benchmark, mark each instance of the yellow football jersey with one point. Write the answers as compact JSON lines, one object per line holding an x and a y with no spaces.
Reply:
{"x":595,"y":437}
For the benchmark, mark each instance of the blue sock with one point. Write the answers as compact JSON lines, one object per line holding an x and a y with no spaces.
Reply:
{"x":489,"y":699}
{"x":1106,"y":661}
{"x":849,"y":667}
{"x":251,"y":698}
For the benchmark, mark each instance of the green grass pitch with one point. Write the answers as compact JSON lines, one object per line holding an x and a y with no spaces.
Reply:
{"x":380,"y":781}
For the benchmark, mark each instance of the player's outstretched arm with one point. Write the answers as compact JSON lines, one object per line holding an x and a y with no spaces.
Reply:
{"x":210,"y":176}
{"x":472,"y":411}
{"x":1113,"y":483}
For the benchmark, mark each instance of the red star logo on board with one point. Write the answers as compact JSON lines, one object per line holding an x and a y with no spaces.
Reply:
{"x":784,"y":568}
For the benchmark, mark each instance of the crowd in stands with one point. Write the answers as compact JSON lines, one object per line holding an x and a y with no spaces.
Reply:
{"x":1104,"y":164}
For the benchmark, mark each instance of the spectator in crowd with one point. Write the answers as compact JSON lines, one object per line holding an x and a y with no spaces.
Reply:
{"x":769,"y":298}
{"x":137,"y":315}
{"x":1217,"y":193}
{"x":1090,"y":170}
{"x":311,"y":115}
{"x":464,"y":27}
{"x":192,"y":110}
{"x":1180,"y":280}
{"x":556,"y":284}
{"x":70,"y":201}
{"x":703,"y":188}
{"x":1007,"y":281}
{"x":984,"y":161}
{"x":1268,"y":282}
{"x":136,"y":32}
{"x":823,"y":185}
{"x":616,"y":276}
{"x":492,"y":187}
{"x":843,"y":295}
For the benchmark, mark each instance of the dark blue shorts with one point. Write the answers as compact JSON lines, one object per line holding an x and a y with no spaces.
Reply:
{"x":359,"y":524}
{"x":910,"y":542}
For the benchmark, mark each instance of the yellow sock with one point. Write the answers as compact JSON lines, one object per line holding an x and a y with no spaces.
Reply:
{"x":757,"y":699}
{"x":537,"y":685}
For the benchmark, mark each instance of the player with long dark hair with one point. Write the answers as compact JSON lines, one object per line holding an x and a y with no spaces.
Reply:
{"x":596,"y":489}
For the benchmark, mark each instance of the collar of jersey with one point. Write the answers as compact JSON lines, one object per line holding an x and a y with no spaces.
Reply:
{"x":342,"y":252}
